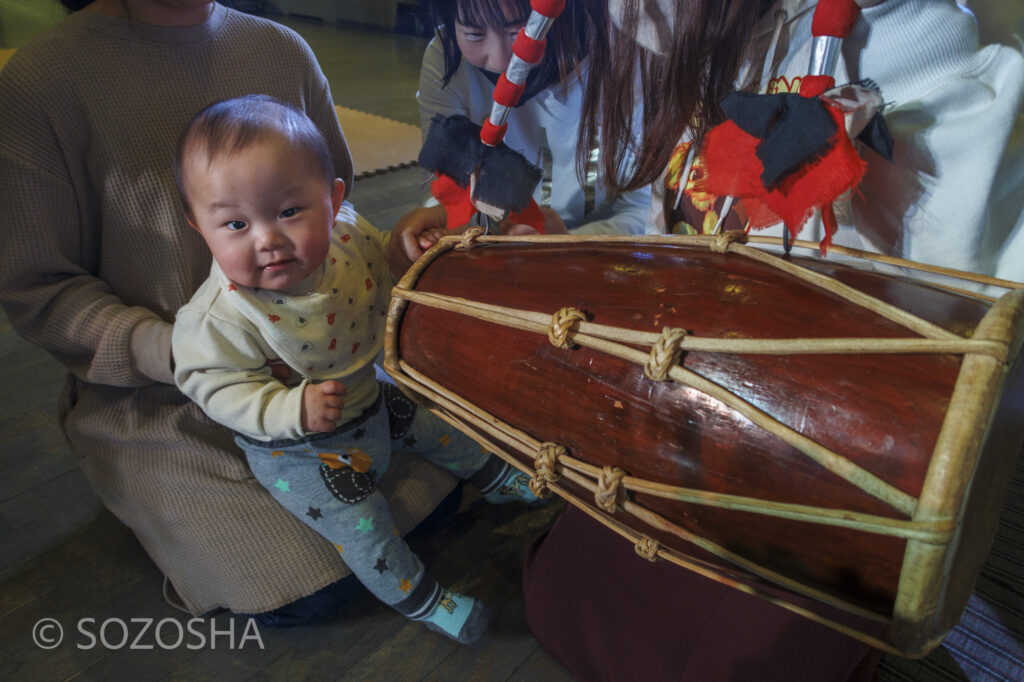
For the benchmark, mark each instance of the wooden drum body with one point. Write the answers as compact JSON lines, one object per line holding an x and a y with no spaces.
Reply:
{"x":787,"y":426}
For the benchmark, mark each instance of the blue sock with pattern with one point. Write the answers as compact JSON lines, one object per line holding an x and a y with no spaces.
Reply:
{"x":500,"y":482}
{"x":459,"y":617}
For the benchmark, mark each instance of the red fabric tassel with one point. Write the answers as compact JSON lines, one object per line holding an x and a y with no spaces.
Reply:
{"x":531,"y":215}
{"x":820,"y":183}
{"x":458,"y":207}
{"x":828,"y":219}
{"x":834,"y":18}
{"x":732,"y":163}
{"x":734,"y":169}
{"x":759,"y":216}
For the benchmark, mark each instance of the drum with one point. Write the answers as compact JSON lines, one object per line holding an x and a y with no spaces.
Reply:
{"x":786,"y":425}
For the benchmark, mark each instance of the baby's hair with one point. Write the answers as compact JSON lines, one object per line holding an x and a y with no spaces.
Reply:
{"x":235,"y":124}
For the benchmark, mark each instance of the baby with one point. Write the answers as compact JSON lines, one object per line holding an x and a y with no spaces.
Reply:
{"x":300,"y":278}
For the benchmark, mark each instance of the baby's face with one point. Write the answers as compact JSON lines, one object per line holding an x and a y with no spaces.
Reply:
{"x":265,"y":213}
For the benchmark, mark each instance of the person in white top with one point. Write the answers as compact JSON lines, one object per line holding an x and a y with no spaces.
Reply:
{"x":949,"y":197}
{"x":461,"y":65}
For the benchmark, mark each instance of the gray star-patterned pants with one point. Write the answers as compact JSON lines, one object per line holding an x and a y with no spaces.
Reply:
{"x":329,"y":481}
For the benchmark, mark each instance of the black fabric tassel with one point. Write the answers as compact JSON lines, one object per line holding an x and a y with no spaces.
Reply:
{"x":794,"y":130}
{"x":877,"y":136}
{"x":452,"y":148}
{"x":506,"y":179}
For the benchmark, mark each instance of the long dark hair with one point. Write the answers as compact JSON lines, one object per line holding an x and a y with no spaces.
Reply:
{"x":567,"y":41}
{"x":74,"y":5}
{"x":679,"y":90}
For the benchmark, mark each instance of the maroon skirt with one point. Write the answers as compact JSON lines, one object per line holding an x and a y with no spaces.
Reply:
{"x":608,"y":614}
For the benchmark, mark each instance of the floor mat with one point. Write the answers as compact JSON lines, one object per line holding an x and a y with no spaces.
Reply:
{"x":378,"y":144}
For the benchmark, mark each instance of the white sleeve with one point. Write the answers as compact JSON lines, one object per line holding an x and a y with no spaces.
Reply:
{"x":626,"y":214}
{"x":952,"y":108}
{"x":936,"y":202}
{"x":222,"y":367}
{"x":1008,"y":208}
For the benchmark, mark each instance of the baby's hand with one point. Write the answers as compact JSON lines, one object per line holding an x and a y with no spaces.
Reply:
{"x":321,"y":406}
{"x":413,"y":234}
{"x":429,"y":237}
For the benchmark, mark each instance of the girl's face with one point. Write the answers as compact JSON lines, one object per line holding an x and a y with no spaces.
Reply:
{"x":488,"y":47}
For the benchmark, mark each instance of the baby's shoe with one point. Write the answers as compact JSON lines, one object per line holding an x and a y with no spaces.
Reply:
{"x":459,"y":617}
{"x":504,"y":483}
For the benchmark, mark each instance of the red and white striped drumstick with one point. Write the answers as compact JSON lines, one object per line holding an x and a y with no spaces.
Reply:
{"x":832,"y":22}
{"x":527,"y":51}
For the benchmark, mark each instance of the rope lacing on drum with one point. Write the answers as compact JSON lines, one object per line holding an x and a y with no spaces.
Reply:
{"x":469,"y":237}
{"x":664,"y":353}
{"x":647,"y":547}
{"x":561,"y":324}
{"x":722,"y":240}
{"x":546,"y":468}
{"x":607,"y":493}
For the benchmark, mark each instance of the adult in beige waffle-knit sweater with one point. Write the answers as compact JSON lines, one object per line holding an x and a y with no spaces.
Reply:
{"x":98,"y":256}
